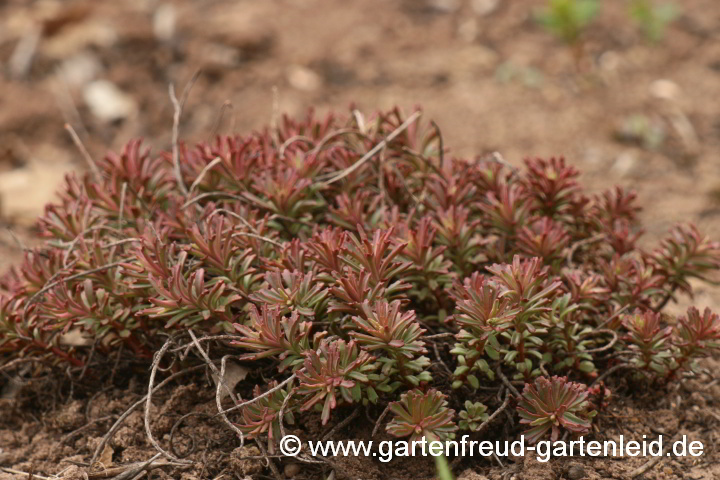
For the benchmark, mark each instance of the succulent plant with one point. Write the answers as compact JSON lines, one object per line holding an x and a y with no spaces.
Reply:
{"x":649,"y":339}
{"x":385,"y":327}
{"x":268,"y":334}
{"x":472,"y":416}
{"x":262,"y":417}
{"x":698,"y":335}
{"x":366,"y":280}
{"x":337,"y":369}
{"x":293,"y":291}
{"x":552,"y":406}
{"x":422,"y":415}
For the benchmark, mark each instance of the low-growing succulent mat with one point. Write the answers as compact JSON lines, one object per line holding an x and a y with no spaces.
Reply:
{"x":331,"y":255}
{"x":482,"y":87}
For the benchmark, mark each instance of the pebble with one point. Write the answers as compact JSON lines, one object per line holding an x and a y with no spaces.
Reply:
{"x":665,"y":89}
{"x":484,"y":7}
{"x":624,"y":164}
{"x":303,"y":79}
{"x":291,"y":470}
{"x":107,"y":102}
{"x":80,"y":69}
{"x":164,"y":21}
{"x":468,"y":30}
{"x":444,"y":6}
{"x":575,"y":472}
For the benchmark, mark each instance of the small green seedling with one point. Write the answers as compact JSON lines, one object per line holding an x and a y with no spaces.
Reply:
{"x":653,"y":19}
{"x":568,"y":19}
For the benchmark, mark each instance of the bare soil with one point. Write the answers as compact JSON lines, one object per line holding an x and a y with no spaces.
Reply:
{"x":631,"y":113}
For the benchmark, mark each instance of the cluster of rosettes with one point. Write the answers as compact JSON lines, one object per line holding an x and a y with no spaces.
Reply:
{"x":348,"y":253}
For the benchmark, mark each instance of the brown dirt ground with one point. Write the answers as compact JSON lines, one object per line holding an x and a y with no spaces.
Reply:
{"x":491,"y":79}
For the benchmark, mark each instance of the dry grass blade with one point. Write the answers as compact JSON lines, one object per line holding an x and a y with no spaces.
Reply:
{"x":29,"y":475}
{"x":220,"y":375}
{"x":227,"y":105}
{"x":647,"y":466}
{"x":341,"y":425}
{"x":374,"y":151}
{"x":178,"y":106}
{"x":135,"y":405}
{"x":378,"y":422}
{"x":91,"y":423}
{"x":83,"y":151}
{"x":148,"y":403}
{"x":269,"y":392}
{"x":204,"y":172}
{"x":607,"y":346}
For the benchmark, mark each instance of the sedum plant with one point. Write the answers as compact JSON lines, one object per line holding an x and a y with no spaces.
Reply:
{"x":647,"y":338}
{"x":472,"y":416}
{"x":364,"y":279}
{"x":422,"y":415}
{"x":263,"y":416}
{"x":552,"y":406}
{"x":335,"y":371}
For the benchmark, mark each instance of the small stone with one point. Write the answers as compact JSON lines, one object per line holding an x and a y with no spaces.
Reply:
{"x":624,"y":164}
{"x":217,"y":56}
{"x":80,"y":36}
{"x":610,"y":61}
{"x":73,"y":472}
{"x":444,"y":6}
{"x":25,"y":191}
{"x":107,"y":102}
{"x":80,"y":69}
{"x":75,"y":337}
{"x":291,"y":470}
{"x":664,"y":89}
{"x":164,"y":21}
{"x":698,"y":399}
{"x":304,"y":79}
{"x":484,"y":7}
{"x":468,"y":30}
{"x":575,"y":472}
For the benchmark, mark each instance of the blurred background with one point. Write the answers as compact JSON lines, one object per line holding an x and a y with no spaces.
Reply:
{"x":627,"y":90}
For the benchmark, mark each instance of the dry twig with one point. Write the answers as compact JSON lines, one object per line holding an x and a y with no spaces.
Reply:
{"x":374,"y":151}
{"x":178,"y":106}
{"x":83,"y":151}
{"x":148,"y":403}
{"x":507,"y":383}
{"x":341,"y":425}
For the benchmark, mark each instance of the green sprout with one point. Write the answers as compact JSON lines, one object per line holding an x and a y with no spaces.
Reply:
{"x":568,"y":19}
{"x":653,"y":18}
